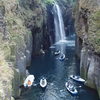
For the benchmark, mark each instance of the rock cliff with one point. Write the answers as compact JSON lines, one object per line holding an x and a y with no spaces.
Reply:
{"x":22,"y":28}
{"x":87,"y":25}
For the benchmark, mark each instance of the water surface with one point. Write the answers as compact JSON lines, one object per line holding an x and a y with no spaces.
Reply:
{"x":57,"y":73}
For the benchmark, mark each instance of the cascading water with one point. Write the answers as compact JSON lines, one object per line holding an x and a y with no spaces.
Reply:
{"x":58,"y":22}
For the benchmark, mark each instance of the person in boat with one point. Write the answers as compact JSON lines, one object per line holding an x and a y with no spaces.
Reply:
{"x":78,"y":77}
{"x":43,"y":82}
{"x":62,"y":56}
{"x":68,"y":84}
{"x":29,"y":82}
{"x":73,"y":76}
{"x":73,"y":89}
{"x":57,"y":51}
{"x":43,"y":78}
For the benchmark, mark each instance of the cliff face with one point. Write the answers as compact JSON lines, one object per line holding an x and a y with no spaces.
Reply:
{"x":22,"y":25}
{"x":87,"y":25}
{"x":33,"y":13}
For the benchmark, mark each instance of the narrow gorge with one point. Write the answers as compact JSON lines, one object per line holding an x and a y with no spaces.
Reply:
{"x":29,"y":27}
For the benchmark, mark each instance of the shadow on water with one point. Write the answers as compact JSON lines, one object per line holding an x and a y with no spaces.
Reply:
{"x":57,"y":73}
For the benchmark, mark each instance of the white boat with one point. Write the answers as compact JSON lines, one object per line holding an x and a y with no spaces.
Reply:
{"x":57,"y":52}
{"x":43,"y":82}
{"x":71,"y":89}
{"x":62,"y":57}
{"x":77,"y":78}
{"x":29,"y":81}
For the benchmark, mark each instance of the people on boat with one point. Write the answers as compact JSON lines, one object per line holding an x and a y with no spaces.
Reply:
{"x":68,"y":84}
{"x":29,"y":82}
{"x":43,"y":78}
{"x":62,"y":56}
{"x":78,"y":77}
{"x":73,"y":88}
{"x":73,"y":76}
{"x":57,"y":51}
{"x":43,"y":82}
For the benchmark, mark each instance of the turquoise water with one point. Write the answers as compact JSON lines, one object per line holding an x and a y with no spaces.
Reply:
{"x":57,"y":73}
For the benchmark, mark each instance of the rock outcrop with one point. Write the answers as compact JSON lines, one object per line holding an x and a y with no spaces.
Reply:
{"x":87,"y":25}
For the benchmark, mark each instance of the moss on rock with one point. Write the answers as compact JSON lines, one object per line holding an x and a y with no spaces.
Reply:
{"x":91,"y":84}
{"x":13,"y":49}
{"x":83,"y":73}
{"x":6,"y":75}
{"x":7,"y":51}
{"x":94,"y":31}
{"x":15,"y":83}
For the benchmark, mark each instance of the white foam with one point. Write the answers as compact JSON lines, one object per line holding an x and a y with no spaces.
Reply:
{"x":67,"y":42}
{"x":52,"y":46}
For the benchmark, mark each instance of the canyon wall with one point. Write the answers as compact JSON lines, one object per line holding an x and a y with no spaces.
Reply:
{"x":22,"y":28}
{"x":86,"y":14}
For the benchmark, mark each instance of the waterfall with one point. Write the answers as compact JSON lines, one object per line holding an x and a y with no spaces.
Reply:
{"x":58,"y":22}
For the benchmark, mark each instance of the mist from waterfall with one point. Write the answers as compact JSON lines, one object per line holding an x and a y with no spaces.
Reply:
{"x":58,"y":22}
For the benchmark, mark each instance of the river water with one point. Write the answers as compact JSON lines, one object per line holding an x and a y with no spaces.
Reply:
{"x":57,"y":73}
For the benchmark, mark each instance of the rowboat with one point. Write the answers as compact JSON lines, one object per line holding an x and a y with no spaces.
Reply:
{"x":62,"y":57}
{"x":43,"y":83}
{"x":71,"y":89}
{"x":77,"y":79}
{"x":57,"y":52}
{"x":29,"y":81}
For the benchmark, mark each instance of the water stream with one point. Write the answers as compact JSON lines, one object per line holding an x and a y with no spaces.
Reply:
{"x":57,"y":73}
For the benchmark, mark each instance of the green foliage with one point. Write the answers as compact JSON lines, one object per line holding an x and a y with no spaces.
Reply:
{"x":49,"y":1}
{"x":71,"y":2}
{"x":94,"y":30}
{"x":83,"y":72}
{"x":91,"y":84}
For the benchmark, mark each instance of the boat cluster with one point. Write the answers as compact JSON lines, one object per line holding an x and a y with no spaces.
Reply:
{"x":43,"y":82}
{"x":62,"y":57}
{"x":29,"y":82}
{"x":70,"y":87}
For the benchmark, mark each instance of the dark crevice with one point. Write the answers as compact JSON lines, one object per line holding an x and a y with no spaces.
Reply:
{"x":85,"y":23}
{"x":50,"y":23}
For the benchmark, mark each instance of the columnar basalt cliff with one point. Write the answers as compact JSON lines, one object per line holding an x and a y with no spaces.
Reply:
{"x":22,"y":26}
{"x":87,"y":25}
